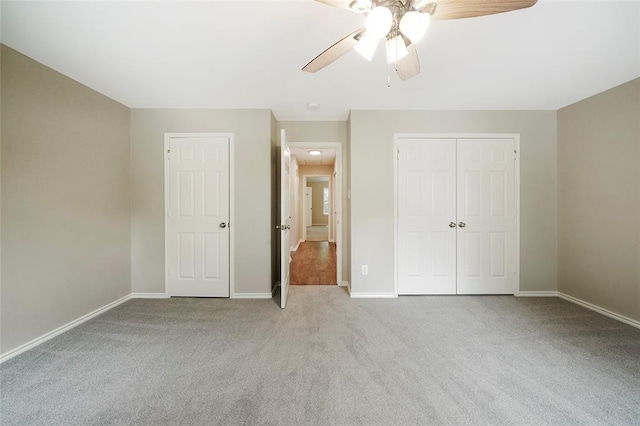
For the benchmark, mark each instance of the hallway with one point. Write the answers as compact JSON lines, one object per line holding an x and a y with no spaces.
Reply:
{"x":314,"y":263}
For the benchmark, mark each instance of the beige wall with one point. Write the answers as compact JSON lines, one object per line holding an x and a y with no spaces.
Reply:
{"x":317,"y":218}
{"x":65,"y":200}
{"x":253,"y":176}
{"x":599,"y":200}
{"x":315,"y":171}
{"x":328,"y":131}
{"x":371,"y":173}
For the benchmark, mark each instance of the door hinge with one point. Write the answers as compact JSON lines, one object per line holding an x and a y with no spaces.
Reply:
{"x":398,"y":156}
{"x":515,"y":154}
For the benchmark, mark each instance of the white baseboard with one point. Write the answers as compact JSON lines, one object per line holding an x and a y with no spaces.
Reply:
{"x":536,"y":294}
{"x":50,"y":335}
{"x":149,"y":296}
{"x":600,"y":310}
{"x":372,"y":295}
{"x":251,"y":296}
{"x":344,"y":284}
{"x":297,"y":245}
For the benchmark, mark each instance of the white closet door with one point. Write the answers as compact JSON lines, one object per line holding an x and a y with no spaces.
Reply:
{"x":426,"y":207}
{"x":486,"y":216}
{"x":198,"y":217}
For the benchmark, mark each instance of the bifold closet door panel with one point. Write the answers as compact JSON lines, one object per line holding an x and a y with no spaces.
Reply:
{"x":426,"y":209}
{"x":486,"y":215}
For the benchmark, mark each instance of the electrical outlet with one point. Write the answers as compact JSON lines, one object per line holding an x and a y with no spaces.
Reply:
{"x":365,"y":269}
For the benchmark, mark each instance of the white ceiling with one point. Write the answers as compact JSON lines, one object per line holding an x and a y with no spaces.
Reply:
{"x":248,"y":54}
{"x":327,"y":157}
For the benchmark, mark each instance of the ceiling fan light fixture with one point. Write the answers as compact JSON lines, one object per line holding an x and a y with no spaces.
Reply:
{"x":396,"y":49}
{"x":414,"y":25}
{"x":361,"y":6}
{"x":367,"y":46}
{"x":379,"y":22}
{"x":420,"y":4}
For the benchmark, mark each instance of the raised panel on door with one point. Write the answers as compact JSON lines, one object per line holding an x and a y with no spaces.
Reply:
{"x":487,"y":211}
{"x":197,"y":205}
{"x":426,"y":207}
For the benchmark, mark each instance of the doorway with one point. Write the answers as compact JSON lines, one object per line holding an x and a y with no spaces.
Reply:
{"x":315,"y":195}
{"x":317,"y":206}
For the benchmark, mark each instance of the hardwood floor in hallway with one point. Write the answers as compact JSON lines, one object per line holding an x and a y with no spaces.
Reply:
{"x":314,"y":263}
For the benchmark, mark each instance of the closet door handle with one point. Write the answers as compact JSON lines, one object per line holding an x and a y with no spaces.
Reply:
{"x":452,"y":224}
{"x":462,"y":224}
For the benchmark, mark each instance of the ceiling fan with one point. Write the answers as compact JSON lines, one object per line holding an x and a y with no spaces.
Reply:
{"x":403,"y":23}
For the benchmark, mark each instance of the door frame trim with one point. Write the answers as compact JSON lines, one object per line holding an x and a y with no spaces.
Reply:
{"x":329,"y":224}
{"x":339,"y":241}
{"x":167,"y":141}
{"x":396,"y":140}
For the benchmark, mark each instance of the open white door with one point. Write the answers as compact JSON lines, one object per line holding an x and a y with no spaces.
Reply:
{"x":285,"y":219}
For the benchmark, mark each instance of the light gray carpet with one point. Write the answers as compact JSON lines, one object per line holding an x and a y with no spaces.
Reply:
{"x":328,"y":359}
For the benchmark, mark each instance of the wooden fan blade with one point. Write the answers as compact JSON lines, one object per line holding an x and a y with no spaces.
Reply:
{"x":342,"y":4}
{"x":457,"y":9}
{"x":409,"y":66}
{"x":335,"y":52}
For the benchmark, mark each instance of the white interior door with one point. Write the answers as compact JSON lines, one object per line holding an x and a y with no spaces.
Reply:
{"x":456,"y":201}
{"x":486,"y":216}
{"x":308,"y":206}
{"x":426,"y":209}
{"x":285,"y":219}
{"x":198,"y":217}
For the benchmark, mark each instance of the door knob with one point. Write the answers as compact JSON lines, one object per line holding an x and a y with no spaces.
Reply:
{"x":452,"y":224}
{"x":462,"y":224}
{"x":223,"y":225}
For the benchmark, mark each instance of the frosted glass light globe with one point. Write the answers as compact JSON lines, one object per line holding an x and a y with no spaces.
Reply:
{"x":379,"y":22}
{"x":367,"y":46}
{"x":396,"y":49}
{"x":414,"y":25}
